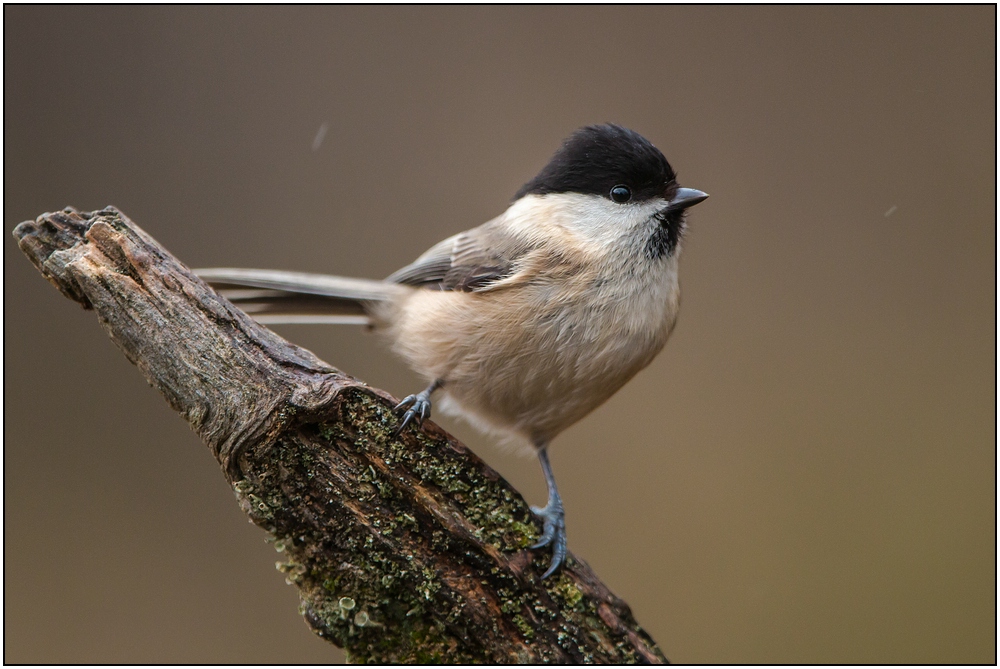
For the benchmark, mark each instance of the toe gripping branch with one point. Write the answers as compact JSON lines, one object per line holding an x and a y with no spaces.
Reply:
{"x":553,"y":518}
{"x":419,"y":406}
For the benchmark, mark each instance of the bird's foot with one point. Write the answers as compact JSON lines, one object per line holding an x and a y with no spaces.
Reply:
{"x":419,"y":409}
{"x":553,"y":532}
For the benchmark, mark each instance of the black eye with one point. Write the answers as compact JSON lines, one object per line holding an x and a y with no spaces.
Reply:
{"x":621,"y":194}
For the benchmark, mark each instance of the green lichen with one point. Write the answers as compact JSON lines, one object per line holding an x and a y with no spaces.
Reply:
{"x":358,"y":590}
{"x":568,"y":591}
{"x":523,"y":626}
{"x":503,"y":519}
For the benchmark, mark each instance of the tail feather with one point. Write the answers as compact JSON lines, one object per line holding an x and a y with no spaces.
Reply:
{"x":273,"y":296}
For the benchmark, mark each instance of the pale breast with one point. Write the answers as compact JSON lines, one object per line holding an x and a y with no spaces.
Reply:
{"x":537,"y":357}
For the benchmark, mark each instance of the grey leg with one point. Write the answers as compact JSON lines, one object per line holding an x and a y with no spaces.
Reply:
{"x":553,"y":518}
{"x":419,"y":405}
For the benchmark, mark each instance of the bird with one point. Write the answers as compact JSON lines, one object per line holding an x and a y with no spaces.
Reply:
{"x":528,"y":322}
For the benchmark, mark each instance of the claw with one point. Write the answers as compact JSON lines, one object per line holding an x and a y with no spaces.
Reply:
{"x":410,"y":413}
{"x":419,"y":407}
{"x":553,"y":532}
{"x":409,"y":399}
{"x":548,"y":532}
{"x":558,"y":555}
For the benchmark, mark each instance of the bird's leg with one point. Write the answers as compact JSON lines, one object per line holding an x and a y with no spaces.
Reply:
{"x":553,"y":518}
{"x":419,"y":405}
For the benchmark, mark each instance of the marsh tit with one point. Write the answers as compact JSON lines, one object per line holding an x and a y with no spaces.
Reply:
{"x":527,"y":323}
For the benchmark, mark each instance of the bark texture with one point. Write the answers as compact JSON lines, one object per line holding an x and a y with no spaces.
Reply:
{"x":406,"y":549}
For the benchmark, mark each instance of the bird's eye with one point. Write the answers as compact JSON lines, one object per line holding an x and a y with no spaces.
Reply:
{"x":621,"y":194}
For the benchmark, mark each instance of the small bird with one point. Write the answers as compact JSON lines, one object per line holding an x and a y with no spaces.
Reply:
{"x":527,"y":323}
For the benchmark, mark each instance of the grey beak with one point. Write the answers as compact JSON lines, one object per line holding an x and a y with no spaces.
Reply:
{"x":686,"y":197}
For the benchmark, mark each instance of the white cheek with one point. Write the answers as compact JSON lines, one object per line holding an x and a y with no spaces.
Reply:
{"x":598,"y":220}
{"x":594,"y":220}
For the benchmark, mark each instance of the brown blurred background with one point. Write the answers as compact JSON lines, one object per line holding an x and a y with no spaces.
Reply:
{"x":806,"y":474}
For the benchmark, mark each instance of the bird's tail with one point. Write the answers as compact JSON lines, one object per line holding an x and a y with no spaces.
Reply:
{"x":273,"y":296}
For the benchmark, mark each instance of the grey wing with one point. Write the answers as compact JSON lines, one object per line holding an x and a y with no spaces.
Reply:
{"x":470,"y":261}
{"x":430,"y":269}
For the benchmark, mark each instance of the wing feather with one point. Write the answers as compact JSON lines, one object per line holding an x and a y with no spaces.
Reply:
{"x":471,"y":261}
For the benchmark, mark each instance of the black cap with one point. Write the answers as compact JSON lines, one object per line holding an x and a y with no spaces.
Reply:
{"x":597,"y":158}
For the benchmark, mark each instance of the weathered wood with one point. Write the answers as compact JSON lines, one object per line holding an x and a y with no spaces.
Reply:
{"x":405,"y":549}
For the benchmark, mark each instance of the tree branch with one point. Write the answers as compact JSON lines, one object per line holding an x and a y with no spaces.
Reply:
{"x":405,"y":549}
